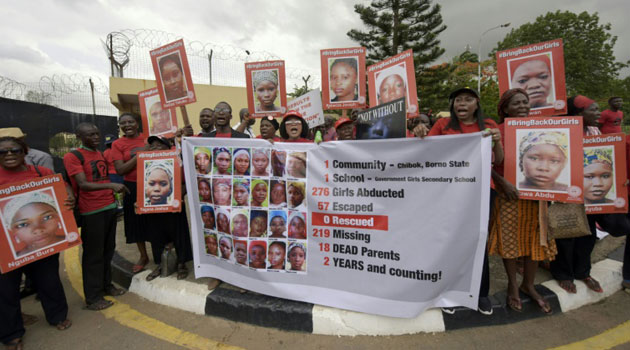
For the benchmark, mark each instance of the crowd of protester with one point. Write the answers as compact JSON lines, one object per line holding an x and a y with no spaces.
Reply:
{"x":514,"y":227}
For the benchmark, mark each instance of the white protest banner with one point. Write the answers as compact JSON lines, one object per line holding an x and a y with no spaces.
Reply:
{"x":310,"y":106}
{"x":389,"y":227}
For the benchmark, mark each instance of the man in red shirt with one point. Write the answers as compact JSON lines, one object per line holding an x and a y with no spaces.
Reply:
{"x":611,"y":119}
{"x":98,"y":209}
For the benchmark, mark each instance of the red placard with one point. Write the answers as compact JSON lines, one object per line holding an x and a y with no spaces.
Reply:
{"x":265,"y":81}
{"x":392,"y":79}
{"x":156,"y":120}
{"x":539,"y":70}
{"x":159,"y":182}
{"x":605,"y":174}
{"x":174,"y":82}
{"x":343,"y":74}
{"x":34,"y":204}
{"x":543,"y":158}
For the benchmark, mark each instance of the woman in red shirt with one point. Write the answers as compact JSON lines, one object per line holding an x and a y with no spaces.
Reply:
{"x":268,"y":128}
{"x":467,"y":117}
{"x":124,"y":156}
{"x":294,"y":128}
{"x":44,"y":273}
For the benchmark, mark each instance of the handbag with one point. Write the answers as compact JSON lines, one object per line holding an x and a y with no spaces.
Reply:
{"x":567,"y":220}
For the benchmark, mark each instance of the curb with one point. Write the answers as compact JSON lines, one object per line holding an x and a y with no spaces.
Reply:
{"x":228,"y":302}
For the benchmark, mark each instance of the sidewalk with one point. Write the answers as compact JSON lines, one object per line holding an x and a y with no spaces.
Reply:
{"x":229,"y":302}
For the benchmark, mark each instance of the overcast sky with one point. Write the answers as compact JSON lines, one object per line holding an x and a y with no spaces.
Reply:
{"x":47,"y":37}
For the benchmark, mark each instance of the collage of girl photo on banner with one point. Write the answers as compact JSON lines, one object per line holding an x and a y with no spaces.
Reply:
{"x":253,"y":206}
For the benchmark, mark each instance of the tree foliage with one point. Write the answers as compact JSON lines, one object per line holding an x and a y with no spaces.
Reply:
{"x":394,"y":26}
{"x":590,"y":64}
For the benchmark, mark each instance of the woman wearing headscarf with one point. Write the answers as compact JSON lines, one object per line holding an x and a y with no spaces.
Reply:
{"x":268,"y":128}
{"x":515,"y":231}
{"x":266,"y":90}
{"x":574,"y":254}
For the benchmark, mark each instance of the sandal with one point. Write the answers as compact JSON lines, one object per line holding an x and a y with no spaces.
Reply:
{"x":138,"y":267}
{"x":514,"y":303}
{"x":15,"y":344}
{"x":113,"y":291}
{"x":63,"y":325}
{"x":542,"y":303}
{"x":154,"y":274}
{"x":592,"y":284}
{"x":182,"y":272}
{"x":100,"y":305}
{"x":568,"y":286}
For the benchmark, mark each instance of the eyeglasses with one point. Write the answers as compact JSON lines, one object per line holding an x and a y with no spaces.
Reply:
{"x":293,"y":122}
{"x":4,"y":152}
{"x":224,"y":110}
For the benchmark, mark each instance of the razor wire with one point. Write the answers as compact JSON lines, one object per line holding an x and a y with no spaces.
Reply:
{"x":130,"y":49}
{"x":70,"y":92}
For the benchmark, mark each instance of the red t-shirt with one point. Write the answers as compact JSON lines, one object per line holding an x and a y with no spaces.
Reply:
{"x":111,"y":169}
{"x":440,"y":127}
{"x":95,"y":169}
{"x":124,"y":149}
{"x":610,"y":121}
{"x":223,"y":136}
{"x":275,"y":138}
{"x":299,"y":140}
{"x":7,"y":176}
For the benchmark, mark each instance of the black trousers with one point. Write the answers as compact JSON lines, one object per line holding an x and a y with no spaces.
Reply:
{"x":45,"y":276}
{"x":626,"y":259}
{"x":99,"y":242}
{"x":484,"y":287}
{"x":574,"y":255}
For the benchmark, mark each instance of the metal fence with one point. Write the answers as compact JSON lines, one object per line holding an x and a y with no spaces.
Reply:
{"x":210,"y":63}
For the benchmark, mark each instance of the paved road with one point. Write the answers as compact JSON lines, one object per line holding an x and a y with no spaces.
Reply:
{"x":118,"y":330}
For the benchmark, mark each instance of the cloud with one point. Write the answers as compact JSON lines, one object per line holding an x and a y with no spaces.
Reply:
{"x":21,"y":53}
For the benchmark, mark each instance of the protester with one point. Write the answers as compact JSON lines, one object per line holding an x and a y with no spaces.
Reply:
{"x":124,"y":155}
{"x":44,"y":272}
{"x":330,"y":132}
{"x":34,"y":156}
{"x":206,"y":121}
{"x":169,"y":228}
{"x":223,"y":115}
{"x":574,"y":254}
{"x":345,"y":129}
{"x":466,"y":116}
{"x":612,"y":118}
{"x":98,"y":211}
{"x":294,"y":128}
{"x":245,"y":123}
{"x":111,"y":169}
{"x":515,"y":230}
{"x":268,"y":128}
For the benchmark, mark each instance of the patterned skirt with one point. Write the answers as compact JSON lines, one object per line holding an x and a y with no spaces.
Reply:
{"x":515,"y":231}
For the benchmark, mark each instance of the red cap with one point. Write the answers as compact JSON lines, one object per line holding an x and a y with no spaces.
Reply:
{"x":292,"y":113}
{"x":341,"y":122}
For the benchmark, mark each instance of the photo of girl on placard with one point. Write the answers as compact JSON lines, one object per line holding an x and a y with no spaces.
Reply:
{"x":543,"y":160}
{"x":158,"y":182}
{"x":266,"y":87}
{"x":599,"y":176}
{"x":391,"y":84}
{"x":160,"y":119}
{"x":534,"y":74}
{"x":344,"y":79}
{"x":172,"y":76}
{"x":32,"y":222}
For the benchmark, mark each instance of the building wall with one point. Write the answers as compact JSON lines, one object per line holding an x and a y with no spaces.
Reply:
{"x":123,"y":94}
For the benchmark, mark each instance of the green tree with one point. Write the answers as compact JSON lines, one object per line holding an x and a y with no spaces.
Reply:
{"x":394,"y":26}
{"x":590,"y":64}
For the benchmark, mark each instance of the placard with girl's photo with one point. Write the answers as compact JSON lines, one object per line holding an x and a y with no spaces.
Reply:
{"x":34,"y":222}
{"x":160,"y":180}
{"x":394,"y":78}
{"x":343,"y":78}
{"x":157,"y":120}
{"x":172,"y":73}
{"x":605,"y":178}
{"x":543,"y":158}
{"x":266,"y":88}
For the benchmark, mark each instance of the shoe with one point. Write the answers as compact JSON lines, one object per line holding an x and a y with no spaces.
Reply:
{"x":100,"y":305}
{"x":593,"y":285}
{"x":448,"y":310}
{"x":485,"y":306}
{"x":113,"y":291}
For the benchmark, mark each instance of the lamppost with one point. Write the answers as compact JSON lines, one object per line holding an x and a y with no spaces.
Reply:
{"x":479,"y":54}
